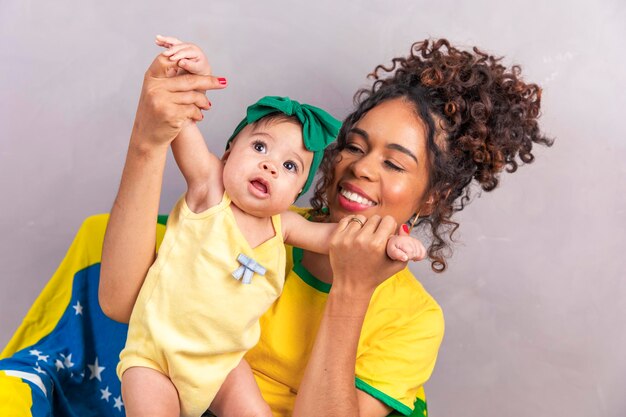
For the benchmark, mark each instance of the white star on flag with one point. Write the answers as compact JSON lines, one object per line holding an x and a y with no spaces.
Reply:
{"x":105,"y":394}
{"x":39,"y":355}
{"x":67,"y":360}
{"x":96,"y":370}
{"x":39,"y":370}
{"x":59,"y":365}
{"x":118,"y":403}
{"x":78,"y":308}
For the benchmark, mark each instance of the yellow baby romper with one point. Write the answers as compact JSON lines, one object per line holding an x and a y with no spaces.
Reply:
{"x":193,"y":321}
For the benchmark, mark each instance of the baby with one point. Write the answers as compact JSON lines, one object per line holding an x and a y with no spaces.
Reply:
{"x":222,"y":261}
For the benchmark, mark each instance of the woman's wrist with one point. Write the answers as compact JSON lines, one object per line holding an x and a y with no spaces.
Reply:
{"x":347,"y":301}
{"x":144,"y":148}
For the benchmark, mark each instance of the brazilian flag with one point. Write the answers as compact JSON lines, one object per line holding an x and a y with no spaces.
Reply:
{"x":61,"y":361}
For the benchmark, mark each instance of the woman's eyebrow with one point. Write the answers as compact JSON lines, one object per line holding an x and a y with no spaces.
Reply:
{"x":394,"y":146}
{"x":402,"y":149}
{"x":360,"y":132}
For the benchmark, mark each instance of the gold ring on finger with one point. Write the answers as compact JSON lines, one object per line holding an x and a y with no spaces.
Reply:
{"x":357,"y":220}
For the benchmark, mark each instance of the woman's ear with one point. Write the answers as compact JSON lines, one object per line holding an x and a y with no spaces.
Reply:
{"x":431,"y":202}
{"x":428,"y":206}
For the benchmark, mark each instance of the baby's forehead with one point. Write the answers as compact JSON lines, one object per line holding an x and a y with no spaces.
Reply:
{"x":286,"y":134}
{"x":275,"y":119}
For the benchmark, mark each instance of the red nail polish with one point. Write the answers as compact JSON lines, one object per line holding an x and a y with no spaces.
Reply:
{"x":405,"y":228}
{"x":222,"y":80}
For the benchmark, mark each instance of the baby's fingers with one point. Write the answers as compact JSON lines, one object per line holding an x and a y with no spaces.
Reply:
{"x":395,"y":252}
{"x":167,"y":41}
{"x":194,"y":66}
{"x":415,"y":251}
{"x":179,"y":51}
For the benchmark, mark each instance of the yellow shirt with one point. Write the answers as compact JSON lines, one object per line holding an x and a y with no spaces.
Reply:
{"x":193,"y":321}
{"x":397,"y":350}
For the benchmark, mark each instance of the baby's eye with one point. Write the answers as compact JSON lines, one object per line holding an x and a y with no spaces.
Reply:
{"x":291,"y":166}
{"x":259,"y":146}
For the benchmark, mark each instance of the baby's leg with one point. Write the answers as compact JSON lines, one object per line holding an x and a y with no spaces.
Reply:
{"x":147,"y":392}
{"x":240,"y":396}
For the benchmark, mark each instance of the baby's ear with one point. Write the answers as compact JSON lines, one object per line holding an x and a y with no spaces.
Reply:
{"x":226,"y":154}
{"x":297,"y":195}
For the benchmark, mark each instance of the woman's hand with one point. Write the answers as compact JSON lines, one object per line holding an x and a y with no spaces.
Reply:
{"x":358,"y":254}
{"x":166,"y":104}
{"x":169,"y":102}
{"x":359,"y":262}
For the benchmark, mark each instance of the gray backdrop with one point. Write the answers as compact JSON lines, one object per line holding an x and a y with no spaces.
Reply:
{"x":534,"y":297}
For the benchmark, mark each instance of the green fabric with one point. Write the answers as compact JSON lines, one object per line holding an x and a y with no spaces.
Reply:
{"x":319,"y":128}
{"x":400,"y":409}
{"x":305,"y":275}
{"x":419,"y":410}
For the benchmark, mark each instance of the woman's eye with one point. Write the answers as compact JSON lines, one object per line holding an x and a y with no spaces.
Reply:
{"x":259,"y":146}
{"x":291,"y":166}
{"x":352,"y":148}
{"x":393,"y":166}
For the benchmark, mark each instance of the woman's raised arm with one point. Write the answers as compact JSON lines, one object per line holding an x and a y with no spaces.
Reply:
{"x":166,"y":104}
{"x":327,"y":387}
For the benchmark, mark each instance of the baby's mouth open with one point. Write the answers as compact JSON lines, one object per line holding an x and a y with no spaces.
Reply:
{"x":259,"y":185}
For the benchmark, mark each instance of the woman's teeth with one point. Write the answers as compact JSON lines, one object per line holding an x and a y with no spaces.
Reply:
{"x":356,"y":198}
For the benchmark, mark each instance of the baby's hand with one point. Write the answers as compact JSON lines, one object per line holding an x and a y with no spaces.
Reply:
{"x":403,"y":247}
{"x":189,"y":56}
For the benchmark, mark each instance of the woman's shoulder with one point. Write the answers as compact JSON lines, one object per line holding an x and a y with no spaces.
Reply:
{"x":404,"y":292}
{"x":303,"y":211}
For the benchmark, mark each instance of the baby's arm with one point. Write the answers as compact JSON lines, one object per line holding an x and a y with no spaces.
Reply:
{"x":301,"y":233}
{"x":315,"y":237}
{"x":202,"y":169}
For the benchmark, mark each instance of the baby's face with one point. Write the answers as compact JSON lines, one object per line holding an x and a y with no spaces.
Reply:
{"x":266,"y":167}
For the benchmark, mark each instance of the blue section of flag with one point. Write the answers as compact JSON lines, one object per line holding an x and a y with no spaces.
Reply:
{"x":76,"y":362}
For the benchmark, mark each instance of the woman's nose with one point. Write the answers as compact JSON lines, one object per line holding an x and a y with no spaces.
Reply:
{"x":364,"y":167}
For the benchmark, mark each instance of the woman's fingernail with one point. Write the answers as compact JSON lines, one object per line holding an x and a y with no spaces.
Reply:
{"x":405,"y":228}
{"x":222,"y":80}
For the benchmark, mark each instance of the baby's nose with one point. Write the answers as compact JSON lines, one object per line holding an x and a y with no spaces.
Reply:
{"x":268,"y":166}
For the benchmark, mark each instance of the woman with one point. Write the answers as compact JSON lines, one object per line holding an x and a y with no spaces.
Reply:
{"x":432,"y":123}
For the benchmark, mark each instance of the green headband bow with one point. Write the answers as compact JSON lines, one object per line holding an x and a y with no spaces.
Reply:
{"x":319,"y":128}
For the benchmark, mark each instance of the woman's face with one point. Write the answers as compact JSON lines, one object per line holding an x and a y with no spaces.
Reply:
{"x":384,"y":168}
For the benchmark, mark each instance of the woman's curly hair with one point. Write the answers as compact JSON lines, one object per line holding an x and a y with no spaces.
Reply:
{"x":480,"y":117}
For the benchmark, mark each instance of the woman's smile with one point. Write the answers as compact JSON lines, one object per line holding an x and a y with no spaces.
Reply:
{"x":377,"y":171}
{"x":353,"y":198}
